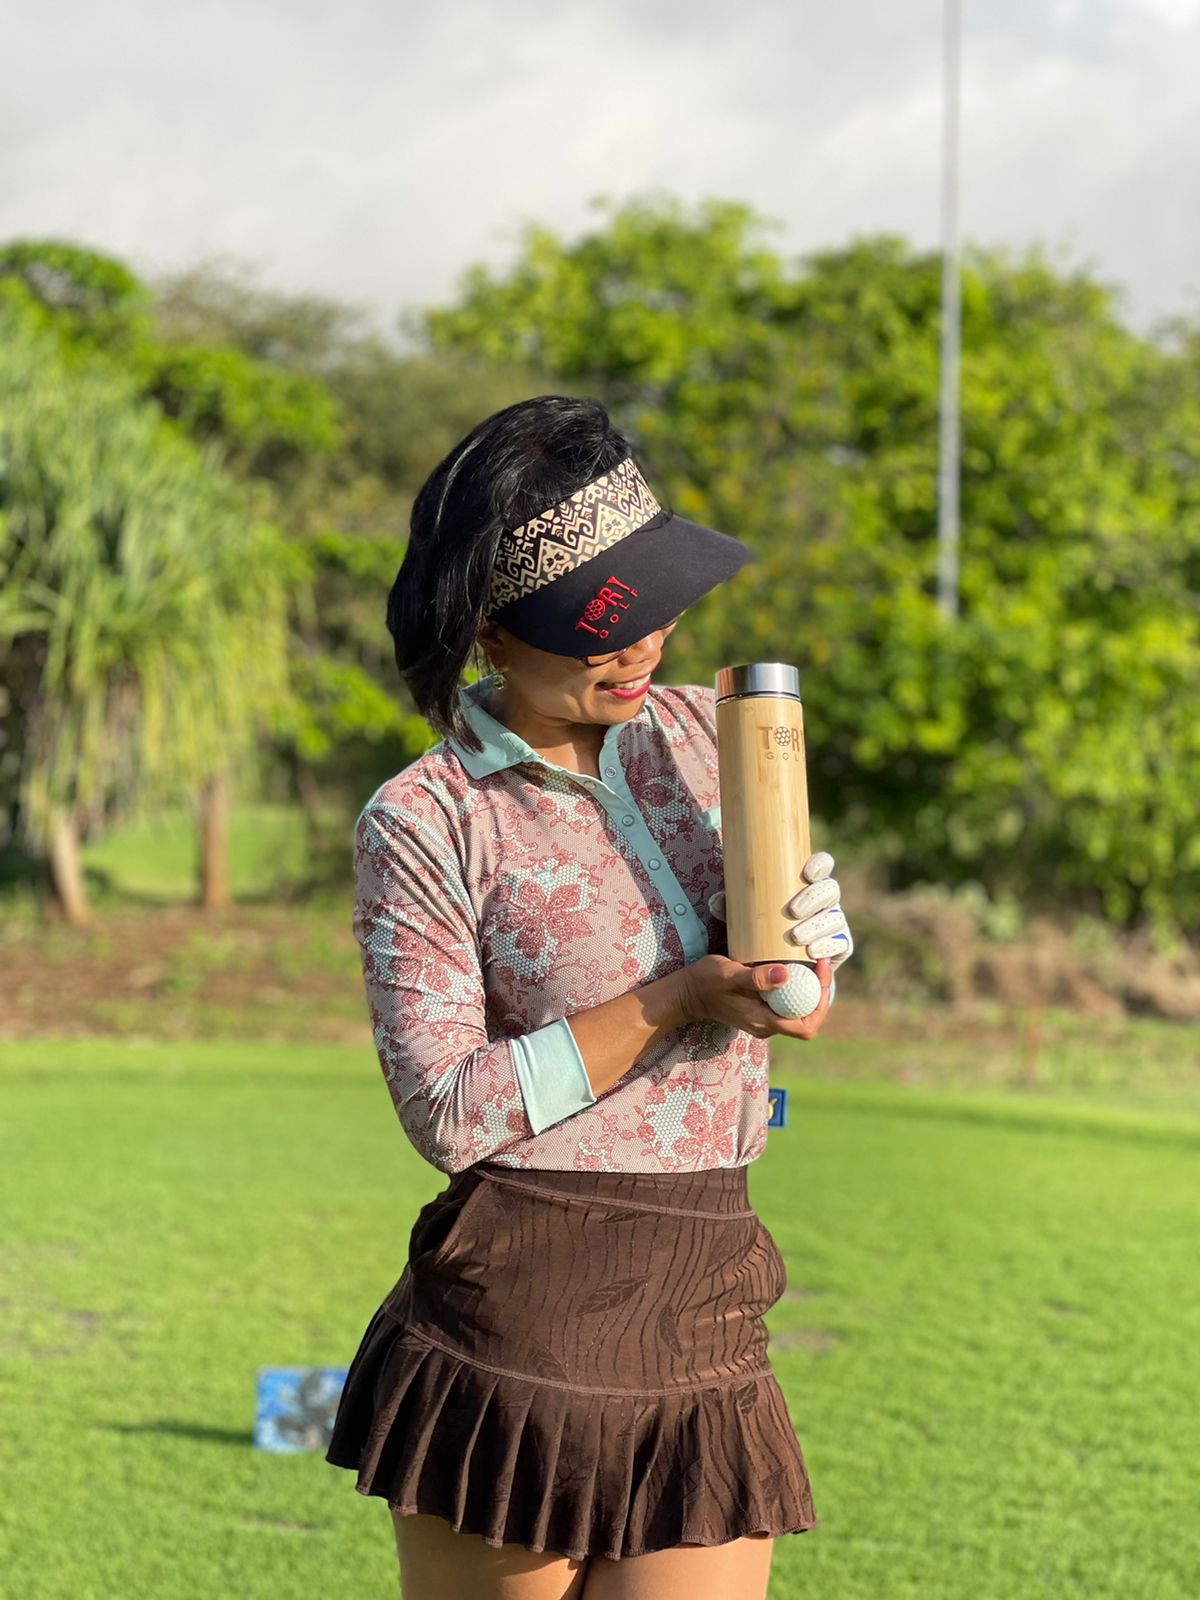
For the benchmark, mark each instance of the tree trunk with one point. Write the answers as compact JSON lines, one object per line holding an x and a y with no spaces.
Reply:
{"x":308,"y":791}
{"x":66,"y":869}
{"x":214,"y":843}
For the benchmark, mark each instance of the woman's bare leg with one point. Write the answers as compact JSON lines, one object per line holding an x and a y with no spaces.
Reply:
{"x":438,"y":1564}
{"x":735,"y":1571}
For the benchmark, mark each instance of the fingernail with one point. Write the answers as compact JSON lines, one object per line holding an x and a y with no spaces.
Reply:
{"x":778,"y":974}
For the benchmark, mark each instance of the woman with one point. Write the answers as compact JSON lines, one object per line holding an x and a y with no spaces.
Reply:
{"x":567,"y":1393}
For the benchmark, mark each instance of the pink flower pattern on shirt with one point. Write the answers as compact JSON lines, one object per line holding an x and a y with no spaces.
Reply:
{"x":489,"y":906}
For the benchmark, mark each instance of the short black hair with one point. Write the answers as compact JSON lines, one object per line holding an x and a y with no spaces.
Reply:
{"x":515,"y":463}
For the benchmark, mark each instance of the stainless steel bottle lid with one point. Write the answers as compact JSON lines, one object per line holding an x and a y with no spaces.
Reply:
{"x":759,"y":677}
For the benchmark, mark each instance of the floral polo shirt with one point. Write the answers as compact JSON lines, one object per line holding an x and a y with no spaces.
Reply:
{"x":499,"y":893}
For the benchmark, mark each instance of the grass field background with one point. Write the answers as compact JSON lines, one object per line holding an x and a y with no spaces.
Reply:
{"x":154,"y":859}
{"x":988,"y":1343}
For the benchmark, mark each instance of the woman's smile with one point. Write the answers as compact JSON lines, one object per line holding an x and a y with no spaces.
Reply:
{"x":629,"y":689}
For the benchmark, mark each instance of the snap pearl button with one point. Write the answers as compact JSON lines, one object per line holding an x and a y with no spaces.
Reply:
{"x":679,"y":910}
{"x":628,"y":821}
{"x":610,"y":772}
{"x":655,"y":863}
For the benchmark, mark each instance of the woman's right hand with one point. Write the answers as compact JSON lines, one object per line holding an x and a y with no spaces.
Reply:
{"x":733,"y":993}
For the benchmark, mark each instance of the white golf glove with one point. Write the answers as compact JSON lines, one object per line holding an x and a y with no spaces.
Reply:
{"x":821,"y":928}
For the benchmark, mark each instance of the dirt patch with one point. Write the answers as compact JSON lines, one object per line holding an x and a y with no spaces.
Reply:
{"x":293,"y":972}
{"x":924,"y":943}
{"x":181,"y":972}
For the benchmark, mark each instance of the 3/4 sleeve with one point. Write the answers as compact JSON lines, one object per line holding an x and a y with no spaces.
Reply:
{"x":460,"y":1097}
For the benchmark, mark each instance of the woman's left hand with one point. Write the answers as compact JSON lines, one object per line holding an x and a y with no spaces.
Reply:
{"x":821,"y":928}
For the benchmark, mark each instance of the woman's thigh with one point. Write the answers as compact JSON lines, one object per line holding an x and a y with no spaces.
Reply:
{"x":438,"y":1564}
{"x":687,"y":1572}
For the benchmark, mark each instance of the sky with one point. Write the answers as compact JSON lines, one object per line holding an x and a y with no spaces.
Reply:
{"x":372,"y":151}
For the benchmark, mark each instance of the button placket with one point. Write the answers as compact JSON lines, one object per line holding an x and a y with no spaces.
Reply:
{"x":618,"y":801}
{"x":692,"y":934}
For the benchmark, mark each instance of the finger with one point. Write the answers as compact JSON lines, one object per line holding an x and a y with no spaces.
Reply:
{"x":768,"y":975}
{"x":817,"y":867}
{"x":716,"y":904}
{"x":825,"y":979}
{"x":747,"y":1007}
{"x":754,"y":1017}
{"x":838,"y":945}
{"x":824,"y":969}
{"x":819,"y":895}
{"x":823,"y":926}
{"x":808,"y":1027}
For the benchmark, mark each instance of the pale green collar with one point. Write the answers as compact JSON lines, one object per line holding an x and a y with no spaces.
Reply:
{"x":503,"y":748}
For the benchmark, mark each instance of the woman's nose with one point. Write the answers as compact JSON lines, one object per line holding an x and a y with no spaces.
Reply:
{"x":653,"y":640}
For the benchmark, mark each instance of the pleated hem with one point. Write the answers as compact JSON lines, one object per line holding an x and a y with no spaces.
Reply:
{"x":518,"y":1461}
{"x":575,"y":1555}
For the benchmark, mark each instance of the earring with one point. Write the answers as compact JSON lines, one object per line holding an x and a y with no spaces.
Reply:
{"x":498,"y":680}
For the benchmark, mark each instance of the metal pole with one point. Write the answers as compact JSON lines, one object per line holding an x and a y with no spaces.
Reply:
{"x":951,"y":320}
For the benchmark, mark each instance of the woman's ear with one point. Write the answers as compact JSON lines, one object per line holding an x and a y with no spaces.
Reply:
{"x":490,"y":644}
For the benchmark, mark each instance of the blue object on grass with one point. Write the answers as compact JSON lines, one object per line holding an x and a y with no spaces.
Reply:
{"x":777,"y":1105}
{"x":295,"y":1407}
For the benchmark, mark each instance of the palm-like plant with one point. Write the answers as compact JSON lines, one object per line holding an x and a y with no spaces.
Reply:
{"x":142,"y":608}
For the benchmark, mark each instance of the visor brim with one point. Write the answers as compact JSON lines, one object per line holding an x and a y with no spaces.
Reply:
{"x":670,"y":563}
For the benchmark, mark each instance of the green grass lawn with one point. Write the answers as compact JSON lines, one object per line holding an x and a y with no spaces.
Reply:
{"x":153,"y":861}
{"x":988,"y":1343}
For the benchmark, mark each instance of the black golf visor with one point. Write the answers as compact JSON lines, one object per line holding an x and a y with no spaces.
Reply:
{"x":605,"y":568}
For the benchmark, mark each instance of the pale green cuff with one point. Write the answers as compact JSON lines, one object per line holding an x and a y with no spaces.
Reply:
{"x":553,"y":1078}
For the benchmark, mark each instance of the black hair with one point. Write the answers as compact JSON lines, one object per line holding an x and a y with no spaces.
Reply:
{"x":515,"y":463}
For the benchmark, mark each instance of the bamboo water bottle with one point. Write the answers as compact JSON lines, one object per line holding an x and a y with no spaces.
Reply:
{"x":764,"y":821}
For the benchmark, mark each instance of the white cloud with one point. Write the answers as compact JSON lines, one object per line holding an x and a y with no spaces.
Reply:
{"x":1175,"y":13}
{"x":374,"y":150}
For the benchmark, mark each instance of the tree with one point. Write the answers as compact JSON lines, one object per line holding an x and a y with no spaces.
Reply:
{"x":276,"y":428}
{"x":87,"y":298}
{"x":142,"y":608}
{"x":270,"y":421}
{"x":1050,"y":743}
{"x":401,"y":410}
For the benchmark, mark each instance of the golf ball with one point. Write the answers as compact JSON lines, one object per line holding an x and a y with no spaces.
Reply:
{"x":799,"y":996}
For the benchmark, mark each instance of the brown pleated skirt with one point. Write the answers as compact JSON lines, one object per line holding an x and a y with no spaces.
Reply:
{"x":577,"y":1362}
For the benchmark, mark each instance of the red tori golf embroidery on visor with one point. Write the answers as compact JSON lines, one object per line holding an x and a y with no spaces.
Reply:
{"x":598,"y":606}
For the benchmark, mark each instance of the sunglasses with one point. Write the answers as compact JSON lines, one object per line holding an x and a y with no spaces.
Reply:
{"x":603,"y":661}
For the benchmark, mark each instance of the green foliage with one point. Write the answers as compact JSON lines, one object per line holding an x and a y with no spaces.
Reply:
{"x":142,"y":602}
{"x":339,"y":664}
{"x":243,"y":373}
{"x":404,"y":412}
{"x":268,"y":420}
{"x":1049,"y":743}
{"x":347,"y":517}
{"x":335,"y":702}
{"x":266,"y":416}
{"x":86,"y":297}
{"x":1047,"y":746}
{"x":218,"y":302}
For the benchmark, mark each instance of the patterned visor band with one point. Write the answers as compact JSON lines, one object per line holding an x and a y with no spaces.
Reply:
{"x":557,"y":541}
